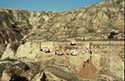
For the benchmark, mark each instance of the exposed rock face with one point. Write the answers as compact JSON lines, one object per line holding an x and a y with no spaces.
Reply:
{"x":5,"y":76}
{"x":76,"y":23}
{"x":28,"y":50}
{"x":8,"y":52}
{"x":94,"y":22}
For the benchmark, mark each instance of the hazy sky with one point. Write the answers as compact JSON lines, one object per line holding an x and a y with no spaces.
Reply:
{"x":46,"y":5}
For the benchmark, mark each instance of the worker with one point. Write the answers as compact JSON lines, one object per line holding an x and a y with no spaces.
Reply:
{"x":18,"y":56}
{"x":83,"y":65}
{"x":90,"y":51}
{"x":82,"y":52}
{"x":84,"y":61}
{"x":88,"y":60}
{"x":86,"y":49}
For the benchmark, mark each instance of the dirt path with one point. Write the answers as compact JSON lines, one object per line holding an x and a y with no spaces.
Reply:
{"x":87,"y":72}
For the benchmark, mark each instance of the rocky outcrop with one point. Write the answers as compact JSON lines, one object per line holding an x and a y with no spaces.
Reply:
{"x":8,"y":52}
{"x":5,"y":76}
{"x":28,"y":50}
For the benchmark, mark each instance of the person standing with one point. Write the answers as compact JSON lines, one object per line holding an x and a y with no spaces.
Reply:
{"x":18,"y":56}
{"x":84,"y":61}
{"x":82,"y":52}
{"x":90,"y":51}
{"x":88,"y":60}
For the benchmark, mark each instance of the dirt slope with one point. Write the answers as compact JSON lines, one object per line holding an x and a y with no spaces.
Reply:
{"x":87,"y":72}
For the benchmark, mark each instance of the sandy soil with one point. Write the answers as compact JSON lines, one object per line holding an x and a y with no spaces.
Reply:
{"x":87,"y":72}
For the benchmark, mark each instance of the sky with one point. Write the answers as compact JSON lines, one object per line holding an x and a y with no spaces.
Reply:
{"x":46,"y":5}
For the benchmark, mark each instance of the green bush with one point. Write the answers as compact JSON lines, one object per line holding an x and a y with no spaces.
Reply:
{"x":43,"y":77}
{"x":26,"y":67}
{"x":101,"y":80}
{"x":23,"y":41}
{"x":112,"y":33}
{"x":14,"y":46}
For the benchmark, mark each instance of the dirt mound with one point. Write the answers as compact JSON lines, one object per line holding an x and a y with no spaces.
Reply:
{"x":87,"y":72}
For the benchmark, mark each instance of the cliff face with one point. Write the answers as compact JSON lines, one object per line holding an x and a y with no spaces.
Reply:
{"x":93,"y":22}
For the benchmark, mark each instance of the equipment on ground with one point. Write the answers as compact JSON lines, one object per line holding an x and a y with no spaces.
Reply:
{"x":46,"y":49}
{"x":74,"y":52}
{"x":59,"y":52}
{"x":73,"y":42}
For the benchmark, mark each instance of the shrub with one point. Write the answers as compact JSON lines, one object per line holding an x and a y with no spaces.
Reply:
{"x":14,"y":46}
{"x":112,"y":33}
{"x":43,"y":77}
{"x":26,"y":67}
{"x":18,"y":78}
{"x":23,"y":41}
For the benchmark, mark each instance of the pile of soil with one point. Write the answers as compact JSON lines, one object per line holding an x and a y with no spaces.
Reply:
{"x":88,"y":71}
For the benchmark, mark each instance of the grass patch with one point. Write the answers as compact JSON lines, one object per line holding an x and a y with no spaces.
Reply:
{"x":2,"y":67}
{"x":62,"y":74}
{"x":101,"y":80}
{"x":105,"y":40}
{"x":9,"y":59}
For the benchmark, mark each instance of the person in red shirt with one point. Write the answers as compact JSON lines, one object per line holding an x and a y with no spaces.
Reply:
{"x":88,"y":60}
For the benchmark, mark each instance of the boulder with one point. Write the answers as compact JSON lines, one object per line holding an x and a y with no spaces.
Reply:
{"x":8,"y":52}
{"x":5,"y":76}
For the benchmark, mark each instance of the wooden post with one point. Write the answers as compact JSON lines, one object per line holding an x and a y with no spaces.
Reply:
{"x":40,"y":45}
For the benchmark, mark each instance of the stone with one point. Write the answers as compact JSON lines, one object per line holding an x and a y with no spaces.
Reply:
{"x":5,"y":76}
{"x":8,"y":52}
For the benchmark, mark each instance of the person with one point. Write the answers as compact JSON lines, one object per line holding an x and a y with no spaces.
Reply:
{"x":18,"y":56}
{"x":83,"y":65}
{"x":82,"y":52}
{"x":88,"y":60}
{"x":86,"y":49}
{"x":84,"y":61}
{"x":90,"y":51}
{"x":56,"y":52}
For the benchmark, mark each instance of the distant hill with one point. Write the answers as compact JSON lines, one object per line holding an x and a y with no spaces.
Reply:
{"x":89,"y":23}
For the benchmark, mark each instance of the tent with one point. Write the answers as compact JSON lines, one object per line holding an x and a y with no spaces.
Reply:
{"x":74,"y":52}
{"x":46,"y":49}
{"x":59,"y":52}
{"x":73,"y":42}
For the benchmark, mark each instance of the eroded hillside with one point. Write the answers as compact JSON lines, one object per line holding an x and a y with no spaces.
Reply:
{"x":93,"y":22}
